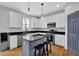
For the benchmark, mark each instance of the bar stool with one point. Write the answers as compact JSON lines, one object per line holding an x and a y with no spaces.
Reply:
{"x":48,"y":42}
{"x":46,"y":46}
{"x":51,"y":39}
{"x":40,"y":48}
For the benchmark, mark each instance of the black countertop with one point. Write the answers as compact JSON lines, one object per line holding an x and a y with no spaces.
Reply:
{"x":26,"y":32}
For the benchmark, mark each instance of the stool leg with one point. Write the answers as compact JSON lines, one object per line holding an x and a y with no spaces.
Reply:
{"x":50,"y":47}
{"x":43,"y":51}
{"x":47,"y":49}
{"x":35,"y":53}
{"x":39,"y":52}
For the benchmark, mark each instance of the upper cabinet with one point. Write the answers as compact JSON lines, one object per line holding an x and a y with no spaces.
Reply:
{"x":42,"y":22}
{"x":15,"y":20}
{"x":59,"y":19}
{"x":34,"y":23}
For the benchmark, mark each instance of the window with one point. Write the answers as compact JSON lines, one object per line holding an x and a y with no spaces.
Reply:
{"x":25,"y":23}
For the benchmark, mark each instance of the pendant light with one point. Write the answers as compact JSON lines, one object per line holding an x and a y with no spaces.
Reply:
{"x":42,"y":4}
{"x":28,"y":9}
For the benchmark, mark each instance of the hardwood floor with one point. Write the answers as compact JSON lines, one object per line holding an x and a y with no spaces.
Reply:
{"x":59,"y":51}
{"x":13,"y":52}
{"x":56,"y":51}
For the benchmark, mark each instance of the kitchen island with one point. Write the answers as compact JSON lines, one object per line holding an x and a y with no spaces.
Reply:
{"x":30,"y":41}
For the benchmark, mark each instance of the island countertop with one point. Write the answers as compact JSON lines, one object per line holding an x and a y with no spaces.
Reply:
{"x":31,"y":37}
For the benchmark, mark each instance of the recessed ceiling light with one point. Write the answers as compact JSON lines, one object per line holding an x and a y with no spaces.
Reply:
{"x":57,"y":5}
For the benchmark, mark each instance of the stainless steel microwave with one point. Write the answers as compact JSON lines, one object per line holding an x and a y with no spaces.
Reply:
{"x":51,"y":25}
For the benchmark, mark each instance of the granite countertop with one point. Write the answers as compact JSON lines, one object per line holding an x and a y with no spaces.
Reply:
{"x":30,"y":37}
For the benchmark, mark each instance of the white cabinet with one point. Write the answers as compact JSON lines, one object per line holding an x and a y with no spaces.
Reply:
{"x":60,"y":40}
{"x":30,"y":23}
{"x":59,"y":19}
{"x":15,"y":20}
{"x":34,"y":23}
{"x":13,"y":41}
{"x":38,"y":23}
{"x":42,"y":23}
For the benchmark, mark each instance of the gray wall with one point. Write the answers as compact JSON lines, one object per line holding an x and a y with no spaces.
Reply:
{"x":4,"y":18}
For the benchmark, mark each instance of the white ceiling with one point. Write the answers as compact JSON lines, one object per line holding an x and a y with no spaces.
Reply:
{"x":35,"y":7}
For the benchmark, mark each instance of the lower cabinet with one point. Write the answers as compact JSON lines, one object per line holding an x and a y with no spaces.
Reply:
{"x":19,"y":40}
{"x":60,"y":40}
{"x":13,"y":41}
{"x":3,"y":45}
{"x":10,"y":41}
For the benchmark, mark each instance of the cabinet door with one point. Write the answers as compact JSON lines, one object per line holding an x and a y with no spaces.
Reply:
{"x":19,"y":40}
{"x":58,"y":18}
{"x":35,"y":23}
{"x":15,"y":20}
{"x":13,"y":41}
{"x":42,"y":22}
{"x":59,"y":40}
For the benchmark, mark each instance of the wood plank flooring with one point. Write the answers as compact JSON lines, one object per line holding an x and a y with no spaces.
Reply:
{"x":13,"y":52}
{"x":59,"y":51}
{"x":56,"y":51}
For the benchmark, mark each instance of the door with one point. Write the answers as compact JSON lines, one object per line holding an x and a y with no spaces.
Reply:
{"x":73,"y":33}
{"x":70,"y":34}
{"x":77,"y":36}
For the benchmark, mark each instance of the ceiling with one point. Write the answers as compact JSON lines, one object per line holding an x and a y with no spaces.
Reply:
{"x":35,"y":7}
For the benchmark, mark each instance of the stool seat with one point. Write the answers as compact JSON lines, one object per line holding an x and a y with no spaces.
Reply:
{"x":39,"y":46}
{"x":45,"y":42}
